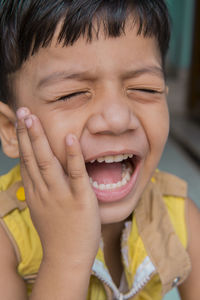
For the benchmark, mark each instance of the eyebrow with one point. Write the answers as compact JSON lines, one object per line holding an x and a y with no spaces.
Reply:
{"x":153,"y":70}
{"x":64,"y":75}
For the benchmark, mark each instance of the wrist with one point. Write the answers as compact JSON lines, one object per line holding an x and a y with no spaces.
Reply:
{"x":68,"y":262}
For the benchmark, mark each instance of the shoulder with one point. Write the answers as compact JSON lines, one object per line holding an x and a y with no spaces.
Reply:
{"x":190,"y":289}
{"x":11,"y":285}
{"x":170,"y":184}
{"x":7,"y":253}
{"x":15,"y":225}
{"x":12,"y":194}
{"x":173,"y":190}
{"x":193,"y":215}
{"x":10,"y":178}
{"x":161,"y":222}
{"x":8,"y":202}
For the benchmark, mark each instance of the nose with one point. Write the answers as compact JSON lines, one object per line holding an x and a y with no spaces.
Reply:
{"x":114,"y":116}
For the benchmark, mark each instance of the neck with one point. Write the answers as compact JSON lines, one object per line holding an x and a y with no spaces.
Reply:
{"x":112,"y":232}
{"x":111,"y":235}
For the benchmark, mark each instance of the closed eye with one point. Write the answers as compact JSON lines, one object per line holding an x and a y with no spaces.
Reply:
{"x":150,"y":91}
{"x":72,"y":95}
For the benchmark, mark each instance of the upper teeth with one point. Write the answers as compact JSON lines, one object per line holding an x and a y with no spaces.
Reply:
{"x":113,"y":158}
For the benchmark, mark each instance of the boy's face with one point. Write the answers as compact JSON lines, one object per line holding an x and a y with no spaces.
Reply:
{"x":117,"y":105}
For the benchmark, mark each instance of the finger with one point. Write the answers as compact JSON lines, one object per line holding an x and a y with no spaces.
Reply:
{"x":27,"y":158}
{"x":78,"y":177}
{"x":48,"y":164}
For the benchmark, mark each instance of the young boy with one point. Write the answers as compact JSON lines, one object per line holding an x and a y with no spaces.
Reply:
{"x":83,"y":104}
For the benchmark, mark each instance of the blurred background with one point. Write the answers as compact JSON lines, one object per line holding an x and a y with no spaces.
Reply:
{"x":182,"y":153}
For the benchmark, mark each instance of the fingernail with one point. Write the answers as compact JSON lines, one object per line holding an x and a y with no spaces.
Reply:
{"x":70,"y":139}
{"x":21,"y":113}
{"x":28,"y":122}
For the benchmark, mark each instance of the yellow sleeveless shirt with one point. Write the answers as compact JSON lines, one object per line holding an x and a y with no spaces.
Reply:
{"x":152,"y":244}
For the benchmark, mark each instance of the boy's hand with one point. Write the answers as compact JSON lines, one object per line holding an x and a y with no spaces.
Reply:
{"x":63,"y":207}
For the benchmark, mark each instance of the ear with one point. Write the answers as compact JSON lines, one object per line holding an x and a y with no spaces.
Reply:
{"x":8,"y":134}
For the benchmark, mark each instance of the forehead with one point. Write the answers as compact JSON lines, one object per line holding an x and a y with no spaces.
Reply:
{"x":104,"y":55}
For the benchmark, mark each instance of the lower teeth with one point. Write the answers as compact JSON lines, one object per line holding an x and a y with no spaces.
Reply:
{"x":127,"y":171}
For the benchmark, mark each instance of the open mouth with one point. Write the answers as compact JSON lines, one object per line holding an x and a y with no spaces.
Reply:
{"x":113,"y":177}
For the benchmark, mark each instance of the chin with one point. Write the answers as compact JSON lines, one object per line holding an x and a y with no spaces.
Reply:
{"x":118,"y":211}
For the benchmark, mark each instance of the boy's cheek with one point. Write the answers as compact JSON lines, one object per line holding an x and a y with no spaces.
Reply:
{"x":157,"y":131}
{"x":160,"y":122}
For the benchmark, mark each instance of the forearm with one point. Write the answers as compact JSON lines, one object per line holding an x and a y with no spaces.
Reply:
{"x":64,"y":210}
{"x":61,"y":280}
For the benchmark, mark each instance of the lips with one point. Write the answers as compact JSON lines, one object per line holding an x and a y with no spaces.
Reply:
{"x":113,"y":176}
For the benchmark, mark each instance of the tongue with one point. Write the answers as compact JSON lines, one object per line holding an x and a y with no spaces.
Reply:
{"x":105,"y":173}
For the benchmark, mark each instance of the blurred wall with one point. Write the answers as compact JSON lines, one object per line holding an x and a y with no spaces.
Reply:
{"x":182,"y":15}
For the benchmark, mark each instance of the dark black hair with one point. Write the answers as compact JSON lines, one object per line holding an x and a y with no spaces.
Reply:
{"x":27,"y":25}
